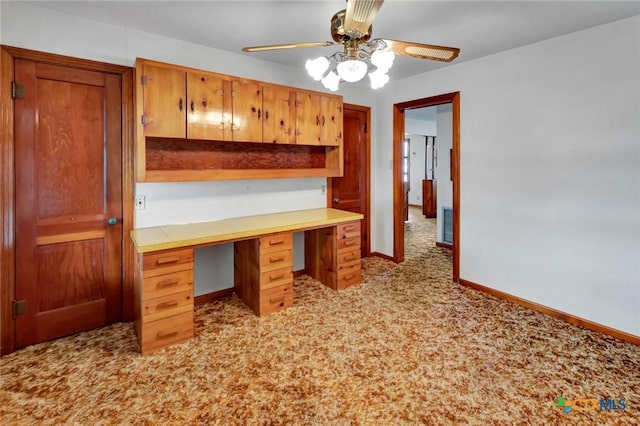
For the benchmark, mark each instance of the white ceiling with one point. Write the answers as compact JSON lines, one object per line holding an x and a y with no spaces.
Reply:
{"x":478,"y":28}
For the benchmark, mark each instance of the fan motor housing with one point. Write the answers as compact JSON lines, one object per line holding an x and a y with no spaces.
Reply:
{"x":339,"y":34}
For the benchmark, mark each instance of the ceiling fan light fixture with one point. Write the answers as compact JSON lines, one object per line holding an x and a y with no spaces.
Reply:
{"x":352,"y":70}
{"x":317,"y":67}
{"x":331,"y":81}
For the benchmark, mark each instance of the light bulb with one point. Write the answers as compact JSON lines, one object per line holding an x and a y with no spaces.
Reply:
{"x":352,"y":70}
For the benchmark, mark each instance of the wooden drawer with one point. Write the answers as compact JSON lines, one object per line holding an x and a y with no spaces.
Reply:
{"x":276,"y":242}
{"x":166,"y":306}
{"x":275,"y":299}
{"x":276,"y":278}
{"x":348,"y":256}
{"x":348,"y":230}
{"x":276,"y":260}
{"x":348,"y":276}
{"x":348,"y":244}
{"x":167,"y":261}
{"x":163,"y":285}
{"x":165,"y":332}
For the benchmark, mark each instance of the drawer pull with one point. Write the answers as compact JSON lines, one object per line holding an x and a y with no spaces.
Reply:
{"x":167,"y":305}
{"x":276,"y":242}
{"x":349,"y":243}
{"x":165,"y":260}
{"x":161,"y":335}
{"x":276,"y":259}
{"x":350,"y":258}
{"x":349,"y":228}
{"x":276,"y":277}
{"x":348,"y":277}
{"x":167,"y":283}
{"x":276,"y":300}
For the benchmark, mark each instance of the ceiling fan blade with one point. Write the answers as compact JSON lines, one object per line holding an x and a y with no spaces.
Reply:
{"x":360,"y":15}
{"x":423,"y":51}
{"x":286,"y":46}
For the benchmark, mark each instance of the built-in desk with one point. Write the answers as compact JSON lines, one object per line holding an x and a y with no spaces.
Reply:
{"x":263,"y":265}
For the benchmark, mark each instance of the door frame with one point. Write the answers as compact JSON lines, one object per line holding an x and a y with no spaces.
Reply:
{"x":8,"y":55}
{"x":398,"y":196}
{"x":367,"y":172}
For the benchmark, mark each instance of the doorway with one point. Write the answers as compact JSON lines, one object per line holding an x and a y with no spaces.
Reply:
{"x":398,"y":178}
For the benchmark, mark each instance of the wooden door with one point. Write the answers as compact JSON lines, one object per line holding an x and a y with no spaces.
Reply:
{"x":68,"y":200}
{"x":277,"y":125}
{"x":206,"y":114}
{"x":331,"y":120}
{"x":307,"y":118}
{"x":351,"y":191}
{"x":247,"y":111}
{"x":164,"y":94}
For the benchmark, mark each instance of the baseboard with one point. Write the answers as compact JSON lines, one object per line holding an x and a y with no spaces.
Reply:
{"x":444,"y":245}
{"x":384,"y":256}
{"x":298,"y":274}
{"x":627,"y":337}
{"x":210,"y":297}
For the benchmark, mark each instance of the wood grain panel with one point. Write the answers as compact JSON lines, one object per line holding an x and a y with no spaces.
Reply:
{"x":164,"y":94}
{"x":247,"y":111}
{"x":70,"y":273}
{"x":277,"y":124}
{"x":206,"y":116}
{"x":307,"y":118}
{"x":65,"y":111}
{"x":331,"y":120}
{"x":181,"y":154}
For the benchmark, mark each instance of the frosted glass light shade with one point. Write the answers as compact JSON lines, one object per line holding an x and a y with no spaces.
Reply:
{"x":352,"y":70}
{"x":331,"y":81}
{"x":317,"y":67}
{"x":378,"y":79}
{"x":383,"y":59}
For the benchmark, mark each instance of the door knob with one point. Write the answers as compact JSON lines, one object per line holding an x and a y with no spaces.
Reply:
{"x":336,"y":200}
{"x":112,"y":221}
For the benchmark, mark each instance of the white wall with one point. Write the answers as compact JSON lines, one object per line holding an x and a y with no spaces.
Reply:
{"x":31,"y":27}
{"x":444,"y":186}
{"x":550,"y":171}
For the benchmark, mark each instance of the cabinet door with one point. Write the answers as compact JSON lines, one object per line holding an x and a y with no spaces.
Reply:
{"x":307,"y":118}
{"x":206,"y":114}
{"x":247,"y":111}
{"x":331,"y":120}
{"x":164,"y":102}
{"x":277,"y":123}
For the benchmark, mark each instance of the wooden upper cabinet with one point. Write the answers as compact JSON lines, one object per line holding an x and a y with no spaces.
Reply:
{"x":278,"y":120}
{"x":307,"y":106}
{"x":247,"y":111}
{"x":209,"y":109}
{"x":331,"y":120}
{"x":164,"y":102}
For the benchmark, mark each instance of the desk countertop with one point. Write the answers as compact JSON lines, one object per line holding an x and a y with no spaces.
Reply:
{"x":235,"y":229}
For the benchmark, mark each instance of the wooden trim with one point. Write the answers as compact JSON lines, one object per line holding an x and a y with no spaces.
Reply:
{"x":61,"y":60}
{"x":298,"y":274}
{"x":225,"y":174}
{"x":210,"y":297}
{"x":581,"y":322}
{"x":383,"y":256}
{"x":398,"y":198}
{"x":7,"y":184}
{"x":128,"y":193}
{"x":65,"y":238}
{"x":444,"y":245}
{"x":7,"y":206}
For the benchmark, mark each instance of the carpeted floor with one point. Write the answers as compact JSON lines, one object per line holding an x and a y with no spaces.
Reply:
{"x":405,"y":347}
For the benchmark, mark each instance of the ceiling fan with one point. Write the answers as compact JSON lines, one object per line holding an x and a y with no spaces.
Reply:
{"x":351,"y":28}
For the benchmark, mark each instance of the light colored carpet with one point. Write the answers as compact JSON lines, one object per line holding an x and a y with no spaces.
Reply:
{"x":405,"y":347}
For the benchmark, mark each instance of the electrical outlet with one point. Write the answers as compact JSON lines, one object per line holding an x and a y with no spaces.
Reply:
{"x":323,"y":188}
{"x":138,"y":202}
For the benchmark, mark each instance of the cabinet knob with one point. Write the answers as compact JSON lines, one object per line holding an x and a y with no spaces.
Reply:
{"x":336,"y":200}
{"x":112,"y":221}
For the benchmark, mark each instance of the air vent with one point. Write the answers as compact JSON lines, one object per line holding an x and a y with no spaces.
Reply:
{"x":447,"y":225}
